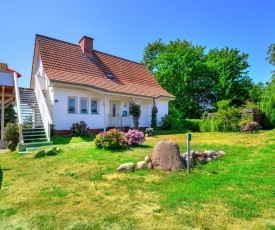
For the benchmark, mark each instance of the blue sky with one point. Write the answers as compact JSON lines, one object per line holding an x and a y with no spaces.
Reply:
{"x":124,"y":27}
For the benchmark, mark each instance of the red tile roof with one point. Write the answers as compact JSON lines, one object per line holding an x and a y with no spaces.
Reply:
{"x":65,"y":62}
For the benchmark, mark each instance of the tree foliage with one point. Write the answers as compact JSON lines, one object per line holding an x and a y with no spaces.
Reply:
{"x":267,"y":103}
{"x":198,"y":80}
{"x":10,"y":115}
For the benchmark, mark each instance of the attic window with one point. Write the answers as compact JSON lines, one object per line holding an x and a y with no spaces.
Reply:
{"x":109,"y":75}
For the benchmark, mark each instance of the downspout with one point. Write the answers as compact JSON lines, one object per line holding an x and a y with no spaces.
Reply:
{"x":104,"y":113}
{"x":2,"y":113}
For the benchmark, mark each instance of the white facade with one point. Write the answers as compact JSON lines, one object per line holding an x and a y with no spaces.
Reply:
{"x":58,"y":101}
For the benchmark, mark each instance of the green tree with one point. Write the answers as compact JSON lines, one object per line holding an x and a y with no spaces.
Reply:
{"x":196,"y":79}
{"x":255,"y":92}
{"x":179,"y":68}
{"x":271,"y":54}
{"x":229,"y":72}
{"x":10,"y":115}
{"x":267,"y":103}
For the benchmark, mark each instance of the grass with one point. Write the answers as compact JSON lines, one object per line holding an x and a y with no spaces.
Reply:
{"x":81,"y":189}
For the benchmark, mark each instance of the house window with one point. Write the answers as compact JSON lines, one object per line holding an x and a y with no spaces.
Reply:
{"x":94,"y":106}
{"x":84,"y":106}
{"x":72,"y":101}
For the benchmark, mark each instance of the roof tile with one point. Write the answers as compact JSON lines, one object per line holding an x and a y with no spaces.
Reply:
{"x":65,"y":62}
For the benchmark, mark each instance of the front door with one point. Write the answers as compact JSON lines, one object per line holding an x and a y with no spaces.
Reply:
{"x":114,"y":116}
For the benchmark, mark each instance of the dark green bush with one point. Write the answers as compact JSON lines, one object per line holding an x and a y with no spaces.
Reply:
{"x":135,"y":112}
{"x":192,"y":125}
{"x":171,"y":121}
{"x":11,"y":136}
{"x":80,"y":129}
{"x":154,"y":113}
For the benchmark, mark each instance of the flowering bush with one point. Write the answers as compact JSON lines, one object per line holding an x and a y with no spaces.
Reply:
{"x":134,"y":137}
{"x":112,"y":139}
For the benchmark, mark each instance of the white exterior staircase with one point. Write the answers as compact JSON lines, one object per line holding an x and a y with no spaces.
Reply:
{"x":32,"y":129}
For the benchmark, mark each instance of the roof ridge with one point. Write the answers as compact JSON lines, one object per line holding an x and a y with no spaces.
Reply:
{"x":58,"y":40}
{"x":125,"y":59}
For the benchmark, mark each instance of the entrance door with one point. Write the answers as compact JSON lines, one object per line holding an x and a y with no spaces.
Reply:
{"x":114,"y":116}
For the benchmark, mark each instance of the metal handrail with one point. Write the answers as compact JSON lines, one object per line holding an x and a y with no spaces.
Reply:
{"x":43,"y":107}
{"x":18,"y":104}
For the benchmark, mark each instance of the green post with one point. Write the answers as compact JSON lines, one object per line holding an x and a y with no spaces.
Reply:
{"x":189,"y":137}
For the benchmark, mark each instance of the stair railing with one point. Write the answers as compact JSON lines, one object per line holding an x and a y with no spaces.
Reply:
{"x":46,"y":117}
{"x":18,"y":104}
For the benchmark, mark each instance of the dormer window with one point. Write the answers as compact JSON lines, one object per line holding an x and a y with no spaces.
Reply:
{"x":109,"y":75}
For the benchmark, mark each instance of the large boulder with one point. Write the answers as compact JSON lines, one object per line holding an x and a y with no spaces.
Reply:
{"x":166,"y":156}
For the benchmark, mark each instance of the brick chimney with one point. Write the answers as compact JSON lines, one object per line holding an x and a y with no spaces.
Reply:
{"x":3,"y":67}
{"x":86,"y":45}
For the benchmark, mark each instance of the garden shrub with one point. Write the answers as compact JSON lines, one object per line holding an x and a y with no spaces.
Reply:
{"x":191,"y":124}
{"x":134,"y":137}
{"x":80,"y":129}
{"x":154,"y":113}
{"x":135,"y":112}
{"x":112,"y":139}
{"x":11,"y":136}
{"x":171,"y":121}
{"x":226,"y":119}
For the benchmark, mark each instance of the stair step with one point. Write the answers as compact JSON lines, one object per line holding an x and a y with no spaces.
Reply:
{"x":42,"y":135}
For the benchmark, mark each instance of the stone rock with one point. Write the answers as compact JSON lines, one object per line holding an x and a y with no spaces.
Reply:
{"x":193,"y":154}
{"x":150,"y":165}
{"x":208,"y":159}
{"x":198,"y":154}
{"x":51,"y":152}
{"x":201,"y":160}
{"x":39,"y":153}
{"x":141,"y":165}
{"x":147,"y":159}
{"x":209,"y":153}
{"x":221,"y":153}
{"x":126,"y":166}
{"x":183,"y":156}
{"x":203,"y":154}
{"x":166,"y":156}
{"x":214,"y":158}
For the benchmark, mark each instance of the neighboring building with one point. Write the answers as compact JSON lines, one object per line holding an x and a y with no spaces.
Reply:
{"x":83,"y":84}
{"x":256,"y":114}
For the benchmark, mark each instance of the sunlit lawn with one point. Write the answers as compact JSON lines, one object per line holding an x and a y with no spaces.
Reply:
{"x":81,"y":189}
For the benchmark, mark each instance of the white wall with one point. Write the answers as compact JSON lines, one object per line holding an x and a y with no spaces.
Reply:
{"x":64,"y":120}
{"x":162,"y":106}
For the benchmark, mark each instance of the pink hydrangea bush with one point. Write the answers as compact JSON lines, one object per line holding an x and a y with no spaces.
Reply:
{"x":134,"y":137}
{"x":112,"y":139}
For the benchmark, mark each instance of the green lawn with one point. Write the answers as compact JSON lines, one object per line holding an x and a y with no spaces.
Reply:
{"x":81,"y":189}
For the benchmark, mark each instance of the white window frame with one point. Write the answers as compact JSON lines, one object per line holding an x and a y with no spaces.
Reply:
{"x":87,"y":105}
{"x":94,"y":99}
{"x":76,"y":102}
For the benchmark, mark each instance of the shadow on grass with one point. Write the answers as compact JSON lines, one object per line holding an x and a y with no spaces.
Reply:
{"x":132,"y":148}
{"x":62,"y":140}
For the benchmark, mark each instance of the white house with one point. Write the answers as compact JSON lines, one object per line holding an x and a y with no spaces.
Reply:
{"x":83,"y":84}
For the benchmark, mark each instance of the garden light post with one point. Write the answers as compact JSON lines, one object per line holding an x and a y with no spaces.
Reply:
{"x":188,"y":151}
